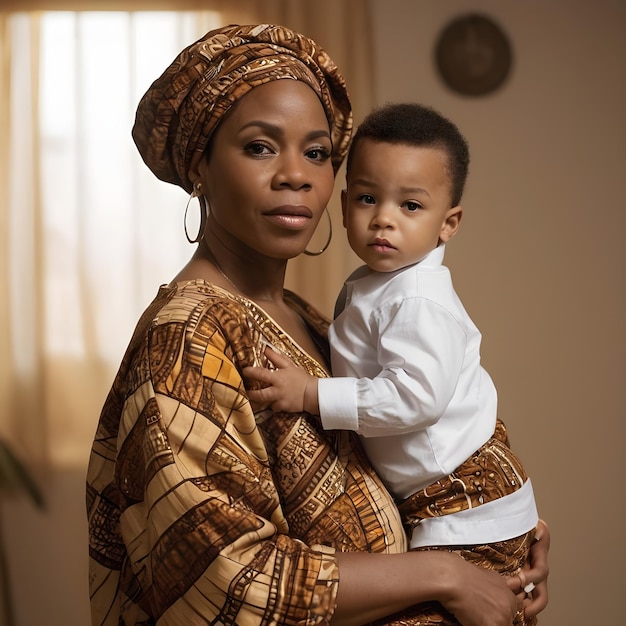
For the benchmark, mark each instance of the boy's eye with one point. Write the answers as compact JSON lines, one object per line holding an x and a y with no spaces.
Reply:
{"x":366,"y":198}
{"x":411,"y":207}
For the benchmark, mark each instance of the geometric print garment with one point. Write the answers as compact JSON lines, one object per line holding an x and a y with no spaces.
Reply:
{"x":200,"y":511}
{"x":492,"y":472}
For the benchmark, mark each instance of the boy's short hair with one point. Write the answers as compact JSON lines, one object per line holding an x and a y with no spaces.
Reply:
{"x":414,"y":124}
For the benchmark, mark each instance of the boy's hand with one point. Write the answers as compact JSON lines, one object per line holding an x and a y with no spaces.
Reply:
{"x":287,"y":388}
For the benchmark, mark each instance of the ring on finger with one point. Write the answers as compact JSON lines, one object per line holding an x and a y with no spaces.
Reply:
{"x":529,"y":587}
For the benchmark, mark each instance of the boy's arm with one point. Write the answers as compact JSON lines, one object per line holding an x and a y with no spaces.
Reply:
{"x":420,"y":364}
{"x":419,"y":374}
{"x":287,"y":388}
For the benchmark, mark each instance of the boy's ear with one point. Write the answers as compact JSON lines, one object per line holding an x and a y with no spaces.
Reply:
{"x":451,"y":223}
{"x":344,"y":202}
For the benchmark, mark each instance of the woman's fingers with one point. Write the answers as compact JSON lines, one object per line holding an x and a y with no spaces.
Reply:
{"x":536,"y":601}
{"x":531,"y":583}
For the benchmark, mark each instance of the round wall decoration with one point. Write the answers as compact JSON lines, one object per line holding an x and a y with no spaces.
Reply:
{"x":473,"y":55}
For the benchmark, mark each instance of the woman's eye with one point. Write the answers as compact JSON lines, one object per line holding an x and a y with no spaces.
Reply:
{"x":318,"y":154}
{"x":256,"y":148}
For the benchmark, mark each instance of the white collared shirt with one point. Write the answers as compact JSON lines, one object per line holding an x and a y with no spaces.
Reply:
{"x":407,"y":377}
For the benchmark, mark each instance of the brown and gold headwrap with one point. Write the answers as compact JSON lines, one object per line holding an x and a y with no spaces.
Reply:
{"x":179,"y":112}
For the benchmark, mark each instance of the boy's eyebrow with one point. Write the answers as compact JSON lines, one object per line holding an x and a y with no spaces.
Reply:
{"x":414,"y":190}
{"x":366,"y":183}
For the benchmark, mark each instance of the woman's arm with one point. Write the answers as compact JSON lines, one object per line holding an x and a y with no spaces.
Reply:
{"x":184,"y":516}
{"x":372,"y":586}
{"x":375,"y":585}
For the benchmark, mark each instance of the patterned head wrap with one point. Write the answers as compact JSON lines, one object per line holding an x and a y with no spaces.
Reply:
{"x":178,"y":114}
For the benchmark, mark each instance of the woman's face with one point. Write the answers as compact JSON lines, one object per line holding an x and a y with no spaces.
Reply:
{"x":269,"y":176}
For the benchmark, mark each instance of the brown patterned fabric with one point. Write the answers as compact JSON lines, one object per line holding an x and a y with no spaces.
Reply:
{"x":492,"y":472}
{"x":201,"y":512}
{"x":180,"y":111}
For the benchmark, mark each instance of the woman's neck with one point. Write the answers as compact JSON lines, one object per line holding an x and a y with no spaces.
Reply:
{"x":255,"y":278}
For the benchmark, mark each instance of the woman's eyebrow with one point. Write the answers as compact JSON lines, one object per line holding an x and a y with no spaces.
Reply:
{"x":278,"y":130}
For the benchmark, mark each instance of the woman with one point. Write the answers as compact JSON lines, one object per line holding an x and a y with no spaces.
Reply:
{"x":199,"y":510}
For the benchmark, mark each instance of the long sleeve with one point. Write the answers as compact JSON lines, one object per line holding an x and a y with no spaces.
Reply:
{"x":192,"y":519}
{"x":420,"y":349}
{"x":199,"y":515}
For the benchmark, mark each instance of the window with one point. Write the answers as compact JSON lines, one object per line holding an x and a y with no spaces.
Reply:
{"x":90,"y":226}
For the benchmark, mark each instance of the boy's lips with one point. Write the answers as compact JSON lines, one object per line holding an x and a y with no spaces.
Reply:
{"x":381,"y":245}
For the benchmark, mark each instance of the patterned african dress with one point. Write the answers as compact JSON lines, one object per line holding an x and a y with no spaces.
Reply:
{"x":201,"y":512}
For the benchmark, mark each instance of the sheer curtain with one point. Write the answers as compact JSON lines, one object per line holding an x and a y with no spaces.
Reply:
{"x":87,"y":234}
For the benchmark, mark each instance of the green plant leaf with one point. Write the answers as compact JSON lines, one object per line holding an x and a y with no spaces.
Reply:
{"x":14,"y":477}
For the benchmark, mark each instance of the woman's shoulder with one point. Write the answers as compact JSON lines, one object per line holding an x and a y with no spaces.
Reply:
{"x":192,"y":301}
{"x":184,"y":297}
{"x":197,"y":302}
{"x":200,"y":317}
{"x":178,"y":311}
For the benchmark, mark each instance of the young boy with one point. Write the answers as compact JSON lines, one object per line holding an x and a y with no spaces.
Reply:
{"x":405,"y":355}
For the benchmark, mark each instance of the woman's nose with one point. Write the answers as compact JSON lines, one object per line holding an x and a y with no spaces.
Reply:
{"x":292,"y":172}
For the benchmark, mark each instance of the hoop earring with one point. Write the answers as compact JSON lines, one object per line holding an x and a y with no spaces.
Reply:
{"x":203,"y":214}
{"x":330,"y":236}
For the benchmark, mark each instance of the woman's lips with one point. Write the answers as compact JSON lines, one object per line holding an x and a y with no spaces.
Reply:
{"x":290,"y":216}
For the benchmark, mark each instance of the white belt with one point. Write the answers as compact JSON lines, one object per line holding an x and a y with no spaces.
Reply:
{"x":504,"y":518}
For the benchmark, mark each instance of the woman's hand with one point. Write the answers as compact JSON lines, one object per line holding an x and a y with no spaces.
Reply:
{"x":531,"y":584}
{"x":480,"y":598}
{"x":287,"y":388}
{"x":373,"y":586}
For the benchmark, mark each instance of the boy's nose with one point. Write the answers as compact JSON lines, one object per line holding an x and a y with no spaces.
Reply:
{"x":383,"y":218}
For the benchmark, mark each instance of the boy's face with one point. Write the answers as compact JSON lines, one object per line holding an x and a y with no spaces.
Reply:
{"x":396,"y":208}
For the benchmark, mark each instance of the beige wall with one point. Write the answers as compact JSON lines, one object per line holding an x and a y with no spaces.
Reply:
{"x":540,"y":260}
{"x":539,"y":263}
